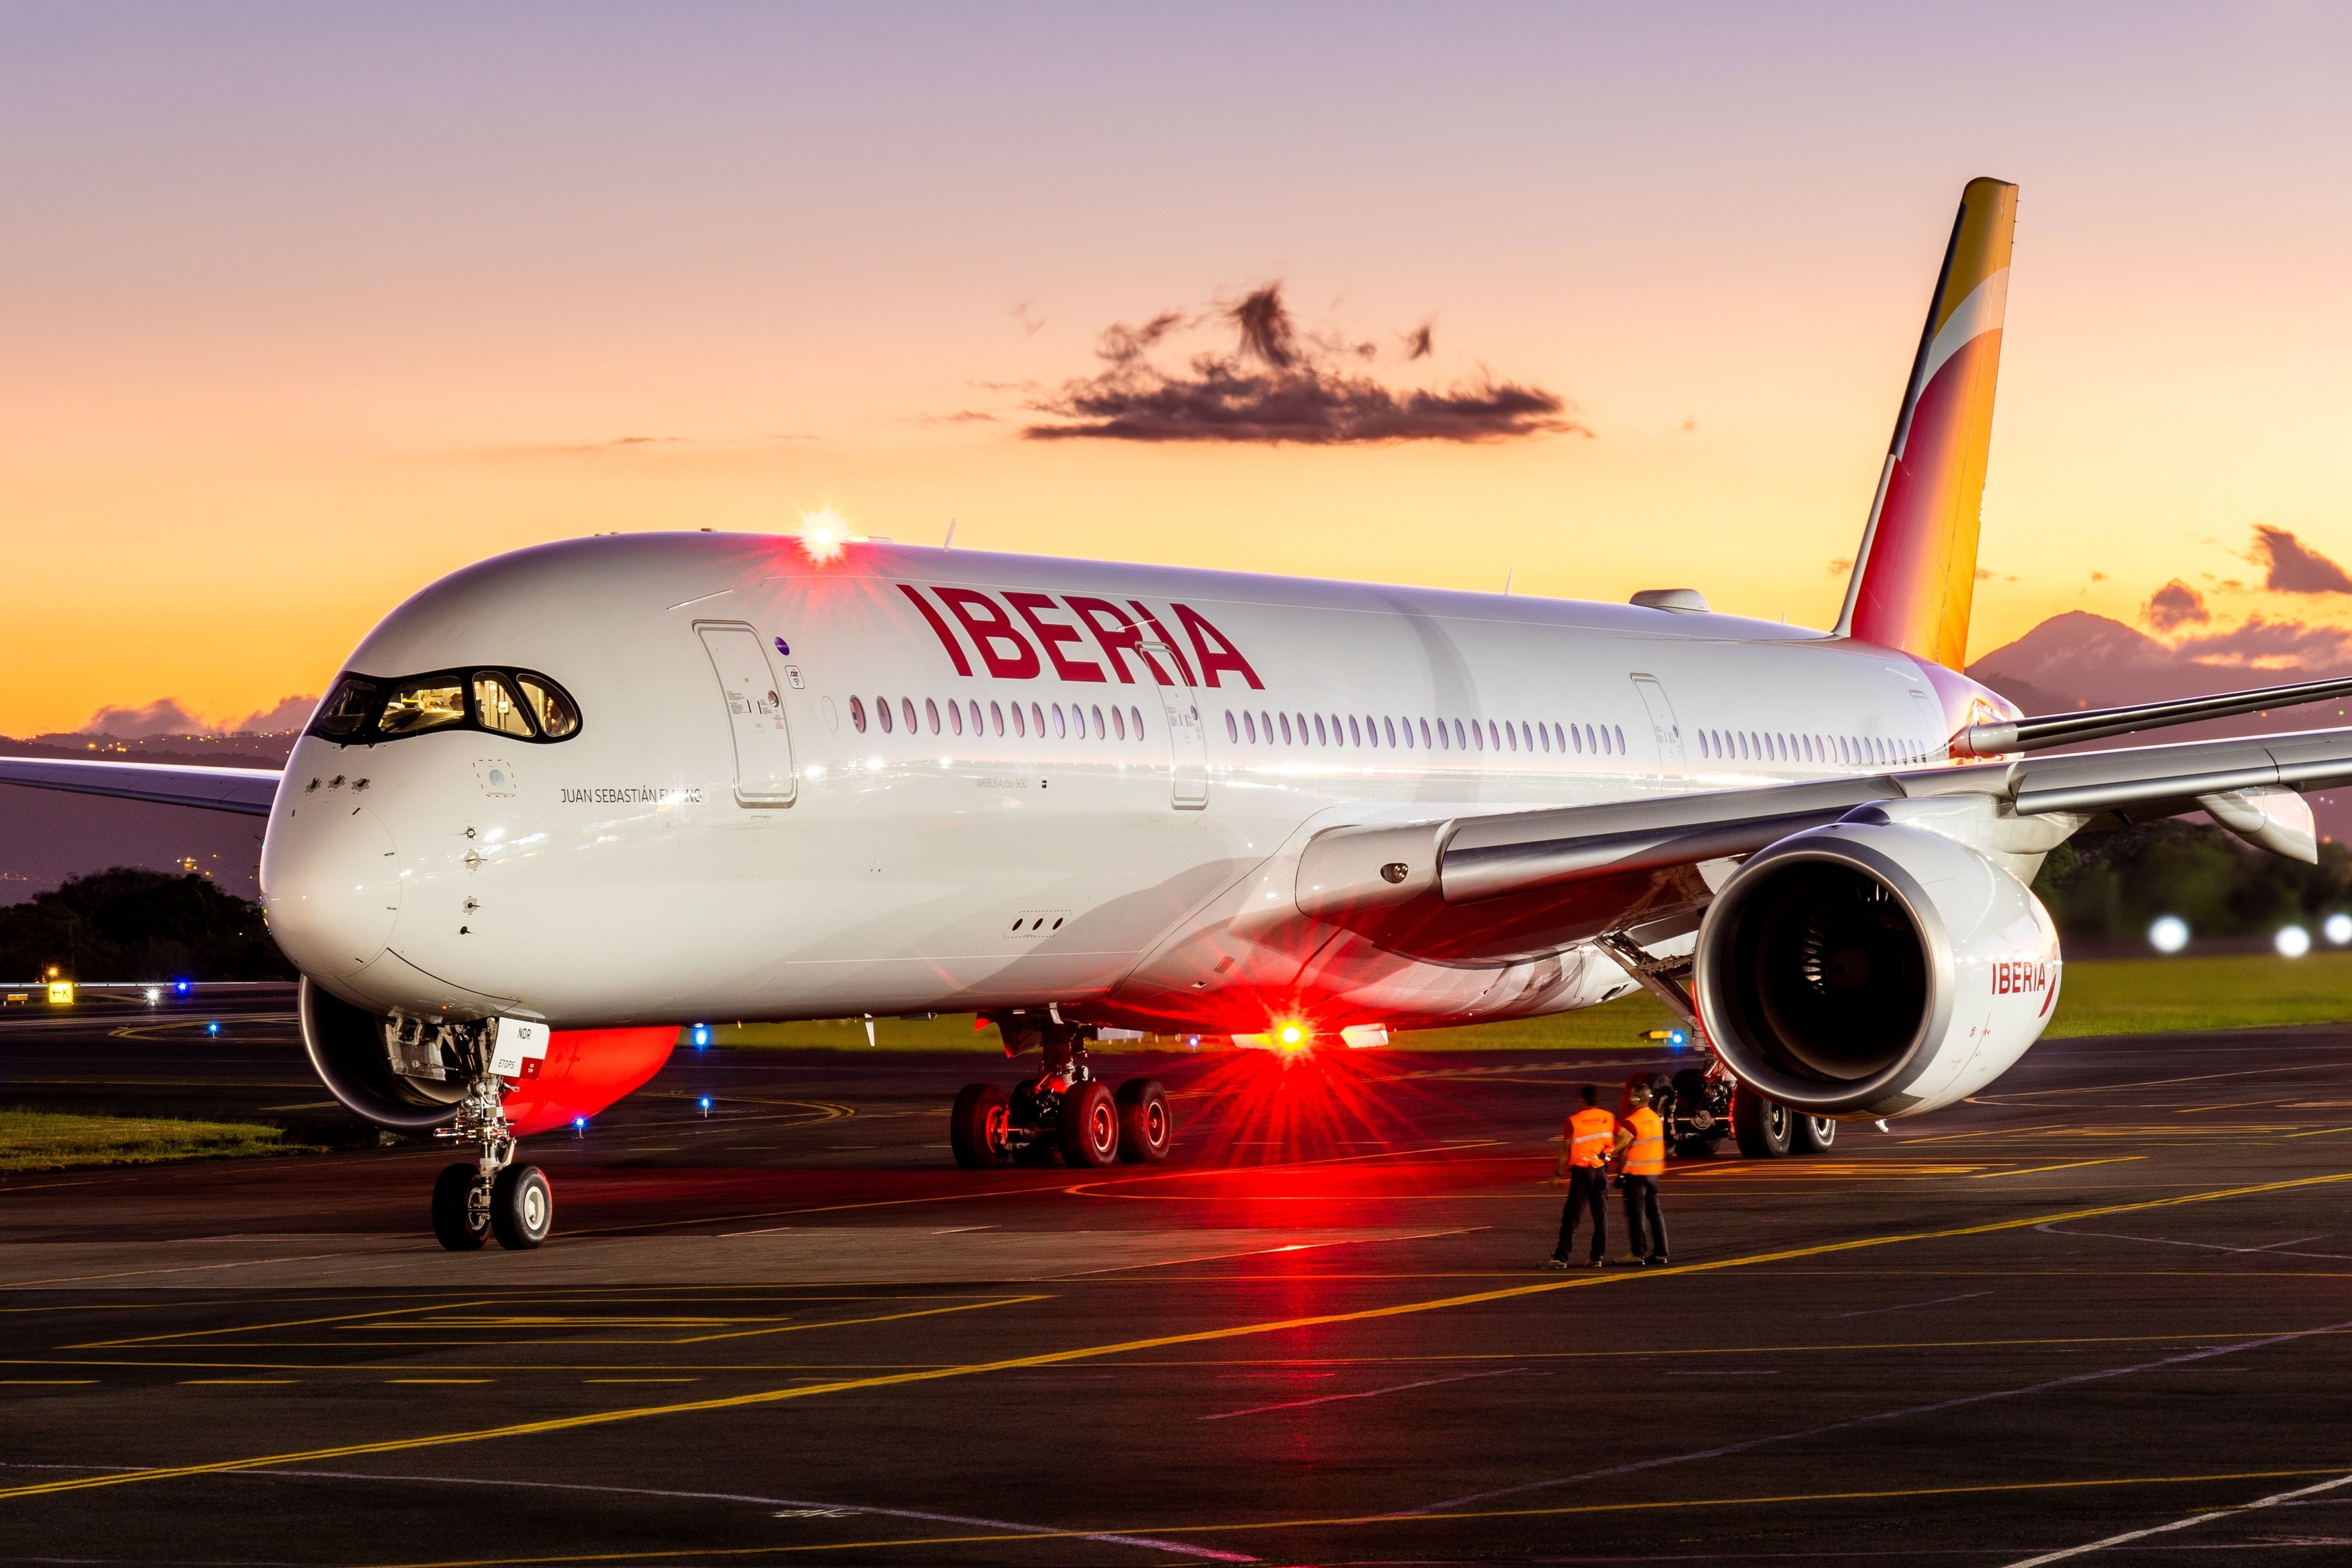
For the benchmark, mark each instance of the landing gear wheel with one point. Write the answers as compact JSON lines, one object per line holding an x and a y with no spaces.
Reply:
{"x":458,"y":1221}
{"x":1812,"y":1135}
{"x":1089,"y":1126}
{"x":1763,"y":1126}
{"x":1145,"y":1128}
{"x":522,"y":1207}
{"x":976,"y":1131}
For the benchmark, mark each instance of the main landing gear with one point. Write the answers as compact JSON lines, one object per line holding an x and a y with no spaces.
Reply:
{"x":1065,"y":1109}
{"x":492,"y":1195}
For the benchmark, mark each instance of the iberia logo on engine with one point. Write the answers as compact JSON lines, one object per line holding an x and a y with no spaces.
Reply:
{"x":2022,"y":977}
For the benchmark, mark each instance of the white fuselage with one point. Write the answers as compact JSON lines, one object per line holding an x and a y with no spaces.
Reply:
{"x":693,"y":853}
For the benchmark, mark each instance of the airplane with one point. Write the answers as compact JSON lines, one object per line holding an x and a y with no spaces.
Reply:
{"x":567,"y":800}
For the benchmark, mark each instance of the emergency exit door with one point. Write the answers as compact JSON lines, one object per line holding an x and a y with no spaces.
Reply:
{"x":755,"y":714}
{"x":1663,"y":725}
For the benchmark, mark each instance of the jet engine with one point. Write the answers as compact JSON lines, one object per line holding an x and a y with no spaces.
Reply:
{"x":411,"y":1074}
{"x":1868,"y":970}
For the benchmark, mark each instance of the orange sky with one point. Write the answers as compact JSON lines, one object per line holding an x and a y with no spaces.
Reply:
{"x":304,"y":311}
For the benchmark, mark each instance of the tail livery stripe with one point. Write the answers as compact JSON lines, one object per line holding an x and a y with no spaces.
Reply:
{"x":1915,"y":579}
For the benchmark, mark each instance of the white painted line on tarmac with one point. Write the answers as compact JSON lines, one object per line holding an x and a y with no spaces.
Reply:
{"x":1368,"y":1394}
{"x":1906,"y":1306}
{"x":1726,"y":1450}
{"x":2271,"y":1502}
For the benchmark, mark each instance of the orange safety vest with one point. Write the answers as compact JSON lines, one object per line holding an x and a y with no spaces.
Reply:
{"x":1647,"y":1156}
{"x":1590,"y":1133}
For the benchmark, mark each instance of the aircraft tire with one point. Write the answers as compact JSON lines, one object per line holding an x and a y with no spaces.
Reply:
{"x":1146,"y":1129}
{"x":1762,"y":1126}
{"x":1089,"y":1126}
{"x":455,"y":1225}
{"x":1811,"y":1134}
{"x":977,"y":1127}
{"x":522,"y":1207}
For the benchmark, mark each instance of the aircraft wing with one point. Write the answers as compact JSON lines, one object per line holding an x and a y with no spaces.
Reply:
{"x":1530,"y":879}
{"x":245,"y":790}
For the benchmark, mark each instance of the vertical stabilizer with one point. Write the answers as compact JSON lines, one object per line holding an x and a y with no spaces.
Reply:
{"x":1915,"y":577}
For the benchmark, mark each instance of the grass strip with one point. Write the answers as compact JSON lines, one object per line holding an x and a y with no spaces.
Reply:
{"x":45,"y":1141}
{"x":2101,"y":996}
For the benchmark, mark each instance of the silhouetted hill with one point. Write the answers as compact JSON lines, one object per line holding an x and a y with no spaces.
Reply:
{"x":131,"y":924}
{"x":2082,"y":660}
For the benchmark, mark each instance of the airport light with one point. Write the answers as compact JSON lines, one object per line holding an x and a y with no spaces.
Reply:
{"x":706,"y":1105}
{"x":701,"y":1038}
{"x":154,"y":994}
{"x":2338,"y":928}
{"x":181,"y":988}
{"x":579,"y":1127}
{"x":2168,"y":934}
{"x":212,"y":1028}
{"x":2291,"y":942}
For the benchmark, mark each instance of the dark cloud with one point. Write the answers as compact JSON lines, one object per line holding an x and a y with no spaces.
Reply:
{"x":2293,"y":566}
{"x":2282,"y":645}
{"x":1421,"y":342}
{"x":1279,"y":384}
{"x":164,"y":716}
{"x":2176,"y":605}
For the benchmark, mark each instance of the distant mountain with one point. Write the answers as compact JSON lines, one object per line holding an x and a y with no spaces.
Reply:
{"x":2082,"y":660}
{"x":241,"y":748}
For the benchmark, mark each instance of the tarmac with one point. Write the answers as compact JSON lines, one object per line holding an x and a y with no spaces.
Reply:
{"x":2102,"y":1313}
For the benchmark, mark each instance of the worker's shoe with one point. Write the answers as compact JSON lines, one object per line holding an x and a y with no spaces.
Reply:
{"x":1555,"y":1261}
{"x":1596,"y":1263}
{"x":1655,"y":1260}
{"x":1634,"y":1260}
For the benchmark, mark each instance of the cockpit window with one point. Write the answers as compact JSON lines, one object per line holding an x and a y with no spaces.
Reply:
{"x":557,"y":717}
{"x":435,"y":702}
{"x":495,"y":705}
{"x":345,"y":711}
{"x":518,"y":704}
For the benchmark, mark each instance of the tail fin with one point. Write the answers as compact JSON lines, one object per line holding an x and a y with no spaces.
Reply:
{"x":1915,"y":577}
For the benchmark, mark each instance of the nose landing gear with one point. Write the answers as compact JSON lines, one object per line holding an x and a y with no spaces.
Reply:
{"x":493,"y":1196}
{"x":1064,"y":1109}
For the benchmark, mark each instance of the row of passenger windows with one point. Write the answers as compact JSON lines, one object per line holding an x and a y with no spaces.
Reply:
{"x":1776,"y":746}
{"x":1264,"y":729}
{"x":1079,"y":720}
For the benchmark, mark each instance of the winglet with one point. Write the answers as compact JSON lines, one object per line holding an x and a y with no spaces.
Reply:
{"x":1915,"y":577}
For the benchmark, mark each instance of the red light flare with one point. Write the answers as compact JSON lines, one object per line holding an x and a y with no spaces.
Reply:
{"x":1308,"y":1131}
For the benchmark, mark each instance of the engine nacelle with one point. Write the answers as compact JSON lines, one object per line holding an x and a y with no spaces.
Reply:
{"x":360,"y":1060}
{"x":1868,"y":970}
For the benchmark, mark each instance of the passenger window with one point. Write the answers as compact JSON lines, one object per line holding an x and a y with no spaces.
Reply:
{"x":1134,"y":722}
{"x":975,"y":718}
{"x":1285,"y":730}
{"x":996,"y":718}
{"x":344,"y":713}
{"x":1576,"y":740}
{"x":1558,"y":738}
{"x":433,"y":703}
{"x":1020,"y":728}
{"x":1249,"y":726}
{"x":1479,"y":734}
{"x":496,"y":706}
{"x":882,"y":713}
{"x":551,"y":706}
{"x":1425,"y":734}
{"x":1620,"y":733}
{"x":931,"y":712}
{"x":1099,"y":732}
{"x":1387,"y":728}
{"x":906,"y":712}
{"x":1037,"y":720}
{"x":1320,"y":738}
{"x":858,"y":715}
{"x":1461,"y":741}
{"x":1118,"y":724}
{"x":1355,"y":731}
{"x":1060,"y":729}
{"x":955,"y":715}
{"x":1511,"y":735}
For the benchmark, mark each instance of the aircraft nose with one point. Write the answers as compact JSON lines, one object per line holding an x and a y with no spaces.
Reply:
{"x":330,"y":884}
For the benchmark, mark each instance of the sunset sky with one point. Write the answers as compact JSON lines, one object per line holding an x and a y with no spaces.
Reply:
{"x":303,"y":307}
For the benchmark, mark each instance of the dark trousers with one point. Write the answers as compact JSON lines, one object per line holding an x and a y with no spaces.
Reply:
{"x":1641,"y":1207}
{"x":1588,"y":1188}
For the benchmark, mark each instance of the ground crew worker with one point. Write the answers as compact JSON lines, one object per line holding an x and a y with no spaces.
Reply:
{"x":1642,"y":1140}
{"x":1585,"y":1145}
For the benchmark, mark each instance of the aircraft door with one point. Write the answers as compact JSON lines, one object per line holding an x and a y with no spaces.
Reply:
{"x":755,"y":713}
{"x":1188,"y":743}
{"x":1661,"y":725}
